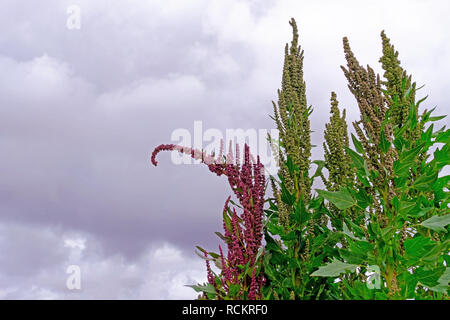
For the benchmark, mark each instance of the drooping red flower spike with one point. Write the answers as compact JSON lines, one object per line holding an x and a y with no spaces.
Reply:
{"x":243,"y":232}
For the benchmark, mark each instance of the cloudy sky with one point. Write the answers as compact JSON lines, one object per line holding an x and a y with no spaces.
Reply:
{"x":82,"y":109}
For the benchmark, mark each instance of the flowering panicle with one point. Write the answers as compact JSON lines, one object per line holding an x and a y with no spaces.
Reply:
{"x":336,"y":158}
{"x":252,"y":295}
{"x":195,"y":154}
{"x":291,"y":115}
{"x":244,"y":232}
{"x":211,"y":278}
{"x":396,"y":82}
{"x":400,"y":93}
{"x":366,"y":86}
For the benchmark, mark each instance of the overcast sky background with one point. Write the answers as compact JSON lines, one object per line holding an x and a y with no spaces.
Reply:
{"x":81,"y":111}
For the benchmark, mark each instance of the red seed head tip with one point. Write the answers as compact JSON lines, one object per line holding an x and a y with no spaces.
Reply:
{"x":158,"y":149}
{"x":153,"y":157}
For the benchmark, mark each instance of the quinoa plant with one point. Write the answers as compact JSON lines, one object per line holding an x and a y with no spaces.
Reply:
{"x":380,"y":229}
{"x":240,"y":274}
{"x":297,"y":238}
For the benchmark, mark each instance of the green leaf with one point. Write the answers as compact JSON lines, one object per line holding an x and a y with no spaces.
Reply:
{"x":208,"y":288}
{"x":274,"y":228}
{"x":320,"y":165}
{"x":363,"y":199}
{"x":358,"y":145}
{"x":443,"y":282}
{"x":259,"y":253}
{"x":437,"y":223}
{"x":349,"y":233}
{"x":436,"y":118}
{"x":438,"y":132}
{"x":422,"y":100}
{"x":439,"y":187}
{"x":420,"y":212}
{"x":401,"y":168}
{"x":358,"y":161}
{"x":359,"y":232}
{"x":202,"y":255}
{"x":412,"y":154}
{"x":293,"y":168}
{"x":443,"y":137}
{"x":233,"y":290}
{"x":442,"y":156}
{"x":221,"y":236}
{"x":334,"y":269}
{"x":363,"y":179}
{"x":270,"y":271}
{"x":408,"y":284}
{"x":289,"y":236}
{"x":201,"y":249}
{"x":417,"y":247}
{"x":406,"y":161}
{"x":272,"y":246}
{"x":429,"y":278}
{"x":406,"y":206}
{"x":301,"y":215}
{"x":427,"y":135}
{"x":412,"y":117}
{"x":384,"y":143}
{"x":425,"y":182}
{"x":342,"y":199}
{"x":214,"y":255}
{"x":286,"y":196}
{"x":227,"y":220}
{"x":359,"y":290}
{"x":352,"y":257}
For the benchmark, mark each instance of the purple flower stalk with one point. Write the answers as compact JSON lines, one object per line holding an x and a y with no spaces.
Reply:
{"x":243,"y":232}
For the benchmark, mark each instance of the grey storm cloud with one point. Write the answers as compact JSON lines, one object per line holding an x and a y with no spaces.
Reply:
{"x":81,"y":111}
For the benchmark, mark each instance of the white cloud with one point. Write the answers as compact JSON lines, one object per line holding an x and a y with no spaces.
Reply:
{"x":160,"y":272}
{"x":154,"y":94}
